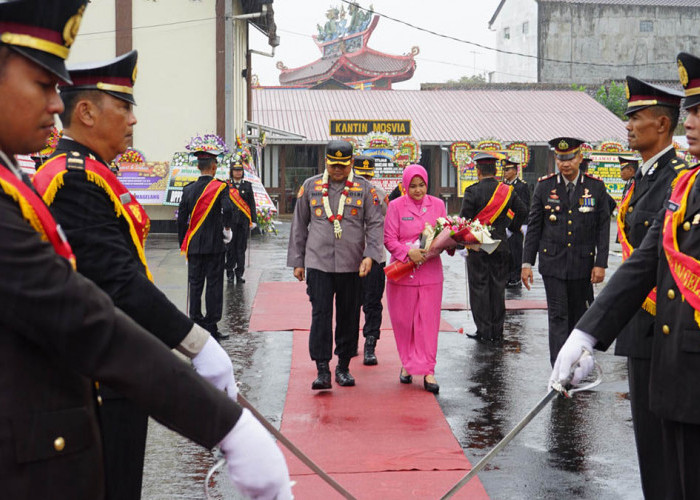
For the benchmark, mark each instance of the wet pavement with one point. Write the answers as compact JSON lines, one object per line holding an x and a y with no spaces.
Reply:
{"x":580,"y":448}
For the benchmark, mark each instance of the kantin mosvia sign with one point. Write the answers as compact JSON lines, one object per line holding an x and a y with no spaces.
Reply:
{"x":364,"y":127}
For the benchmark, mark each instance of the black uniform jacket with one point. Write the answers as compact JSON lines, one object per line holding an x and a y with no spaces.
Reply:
{"x":105,"y":252}
{"x":522,"y":190}
{"x":570,"y":240}
{"x":245,"y":189}
{"x":58,"y":331}
{"x":478,"y":195}
{"x":675,"y":358}
{"x":648,"y":198}
{"x":209,"y":238}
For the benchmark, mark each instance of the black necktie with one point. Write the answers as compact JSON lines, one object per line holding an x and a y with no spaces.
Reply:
{"x":570,"y":192}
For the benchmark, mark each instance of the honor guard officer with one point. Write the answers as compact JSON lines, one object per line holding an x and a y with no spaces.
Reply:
{"x":653,"y":115}
{"x":372,"y":284}
{"x":515,"y":240}
{"x":497,"y":205}
{"x":337,"y":231}
{"x":204,"y":227}
{"x":628,"y":169}
{"x":243,"y":200}
{"x":62,"y":331}
{"x":666,"y":262}
{"x":569,"y":228}
{"x":107,"y":227}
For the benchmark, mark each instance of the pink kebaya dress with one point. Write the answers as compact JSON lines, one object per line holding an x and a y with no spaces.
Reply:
{"x":414,"y":301}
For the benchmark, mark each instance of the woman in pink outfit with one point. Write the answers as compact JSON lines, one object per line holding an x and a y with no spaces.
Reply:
{"x":414,"y":301}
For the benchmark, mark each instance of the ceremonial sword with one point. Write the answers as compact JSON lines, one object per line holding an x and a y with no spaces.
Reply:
{"x":558,"y":388}
{"x":290,"y":446}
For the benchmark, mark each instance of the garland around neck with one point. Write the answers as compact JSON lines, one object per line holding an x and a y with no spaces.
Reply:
{"x":335,"y":219}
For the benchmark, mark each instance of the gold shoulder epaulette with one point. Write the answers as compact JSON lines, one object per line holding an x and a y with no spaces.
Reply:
{"x":75,"y":161}
{"x":545,"y":177}
{"x":593,"y":176}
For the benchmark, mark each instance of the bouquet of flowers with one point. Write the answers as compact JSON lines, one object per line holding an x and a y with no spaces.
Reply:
{"x":131,"y":155}
{"x":207,"y":142}
{"x":446,"y":234}
{"x":265,"y":220}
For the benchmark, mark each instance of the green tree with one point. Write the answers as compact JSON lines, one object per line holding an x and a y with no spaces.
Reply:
{"x":469,"y":80}
{"x":614,"y":98}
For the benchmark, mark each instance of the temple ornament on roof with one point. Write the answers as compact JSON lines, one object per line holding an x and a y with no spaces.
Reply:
{"x":346,"y":58}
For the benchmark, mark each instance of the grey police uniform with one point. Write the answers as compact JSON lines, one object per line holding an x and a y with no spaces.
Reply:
{"x":333,"y":263}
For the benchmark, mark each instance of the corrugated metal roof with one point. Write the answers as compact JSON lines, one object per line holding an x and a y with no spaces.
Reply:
{"x":443,"y":116}
{"x":653,"y":3}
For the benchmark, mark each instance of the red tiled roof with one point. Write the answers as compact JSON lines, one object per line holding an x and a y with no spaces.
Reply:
{"x":443,"y":116}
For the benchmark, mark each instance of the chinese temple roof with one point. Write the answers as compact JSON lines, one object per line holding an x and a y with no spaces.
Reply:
{"x":347,"y":59}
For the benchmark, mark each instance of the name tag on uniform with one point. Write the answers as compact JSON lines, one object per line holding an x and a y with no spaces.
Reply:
{"x":406,"y":218}
{"x":672,"y":206}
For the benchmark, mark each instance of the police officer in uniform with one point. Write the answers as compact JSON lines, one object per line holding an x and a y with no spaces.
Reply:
{"x":668,"y":259}
{"x":337,"y":231}
{"x":488,"y":273}
{"x":241,"y":225}
{"x":628,"y":169}
{"x":569,"y":228}
{"x":372,"y":284}
{"x":61,"y":331}
{"x":515,"y":240}
{"x":206,"y":249}
{"x":653,"y":113}
{"x":99,"y":122}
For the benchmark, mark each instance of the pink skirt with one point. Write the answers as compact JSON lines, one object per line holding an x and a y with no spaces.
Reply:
{"x":415,"y":318}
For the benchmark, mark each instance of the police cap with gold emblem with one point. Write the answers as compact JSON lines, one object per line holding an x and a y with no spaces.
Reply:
{"x":628,"y":161}
{"x":42,"y":30}
{"x":689,"y":74}
{"x":339,"y":153}
{"x":115,"y":77}
{"x":641,"y":95}
{"x":510,"y":163}
{"x":364,"y":165}
{"x":566,"y":148}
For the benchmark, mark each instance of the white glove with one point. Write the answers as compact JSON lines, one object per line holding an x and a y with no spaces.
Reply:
{"x":568,"y":356}
{"x":254,"y":462}
{"x":254,"y":225}
{"x":509,"y":233}
{"x":523,"y":229}
{"x":228,"y":235}
{"x":214,"y":364}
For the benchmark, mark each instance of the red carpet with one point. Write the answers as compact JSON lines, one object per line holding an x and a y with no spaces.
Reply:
{"x":511,"y":305}
{"x":284,"y":306}
{"x":380,"y":439}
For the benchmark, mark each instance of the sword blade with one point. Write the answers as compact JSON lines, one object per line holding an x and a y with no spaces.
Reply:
{"x":501,"y":444}
{"x":296,"y":451}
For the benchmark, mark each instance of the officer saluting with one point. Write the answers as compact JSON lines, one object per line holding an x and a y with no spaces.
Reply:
{"x":569,"y":228}
{"x":244,"y":217}
{"x":668,"y":259}
{"x":337,"y":231}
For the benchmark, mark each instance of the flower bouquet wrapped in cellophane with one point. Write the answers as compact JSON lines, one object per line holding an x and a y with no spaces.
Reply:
{"x":447,"y":233}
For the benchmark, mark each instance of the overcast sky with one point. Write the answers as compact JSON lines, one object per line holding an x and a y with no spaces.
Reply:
{"x":439,"y":59}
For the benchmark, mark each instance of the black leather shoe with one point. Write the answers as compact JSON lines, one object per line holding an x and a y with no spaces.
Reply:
{"x":370,"y":357}
{"x":475,"y":336}
{"x":218,"y":336}
{"x":405,"y":379}
{"x":323,"y":381}
{"x":343,"y":378}
{"x":239,"y":279}
{"x":434,"y":388}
